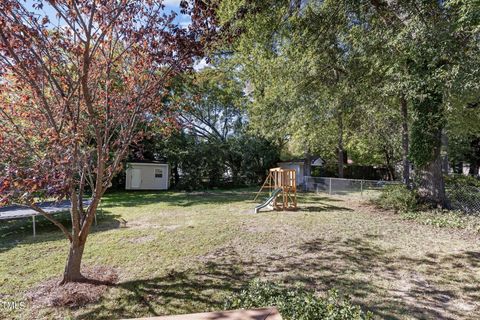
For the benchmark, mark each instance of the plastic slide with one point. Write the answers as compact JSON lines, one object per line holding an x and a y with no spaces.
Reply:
{"x":275,"y":193}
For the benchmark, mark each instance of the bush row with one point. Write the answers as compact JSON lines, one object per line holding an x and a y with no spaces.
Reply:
{"x":296,"y":303}
{"x":464,"y":200}
{"x":399,"y":198}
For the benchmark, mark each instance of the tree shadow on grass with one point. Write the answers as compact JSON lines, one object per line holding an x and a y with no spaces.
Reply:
{"x":15,"y":231}
{"x":206,"y":289}
{"x":348,"y":265}
{"x":175,"y":293}
{"x":188,"y":199}
{"x":313,"y":198}
{"x":322,"y":207}
{"x":183,"y":199}
{"x":20,"y":231}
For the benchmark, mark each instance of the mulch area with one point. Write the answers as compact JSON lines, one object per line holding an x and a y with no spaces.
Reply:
{"x":51,"y":294}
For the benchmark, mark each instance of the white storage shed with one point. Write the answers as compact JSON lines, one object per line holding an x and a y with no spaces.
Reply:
{"x":298,"y":166}
{"x":147,"y":176}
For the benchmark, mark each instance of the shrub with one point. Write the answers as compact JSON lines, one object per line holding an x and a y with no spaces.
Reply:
{"x":399,"y":198}
{"x":461,"y":180}
{"x":445,"y":219}
{"x":296,"y":303}
{"x":437,"y":218}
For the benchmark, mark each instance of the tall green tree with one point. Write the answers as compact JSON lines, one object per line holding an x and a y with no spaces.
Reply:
{"x":301,"y":69}
{"x":315,"y":65}
{"x":212,"y":145}
{"x":433,"y":59}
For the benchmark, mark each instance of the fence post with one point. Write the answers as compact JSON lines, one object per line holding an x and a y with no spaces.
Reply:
{"x":361,"y":188}
{"x":34,"y":231}
{"x":330,"y":187}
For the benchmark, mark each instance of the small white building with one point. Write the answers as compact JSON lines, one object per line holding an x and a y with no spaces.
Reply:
{"x":299,"y":167}
{"x":147,"y":176}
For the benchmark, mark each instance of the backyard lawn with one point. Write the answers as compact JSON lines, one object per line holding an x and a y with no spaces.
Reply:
{"x":187,"y":252}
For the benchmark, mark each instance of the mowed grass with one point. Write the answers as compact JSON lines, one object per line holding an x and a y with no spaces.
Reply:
{"x":187,"y":252}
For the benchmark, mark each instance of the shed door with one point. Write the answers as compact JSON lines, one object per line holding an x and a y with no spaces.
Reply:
{"x":136,"y":178}
{"x":159,"y":178}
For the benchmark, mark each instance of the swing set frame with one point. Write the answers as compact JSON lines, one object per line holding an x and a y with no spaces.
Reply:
{"x":285,"y":179}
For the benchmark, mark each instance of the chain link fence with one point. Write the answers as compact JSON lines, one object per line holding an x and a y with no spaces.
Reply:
{"x":464,"y":198}
{"x":340,"y":186}
{"x":461,"y":197}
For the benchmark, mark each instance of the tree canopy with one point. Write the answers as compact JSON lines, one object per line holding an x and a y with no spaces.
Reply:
{"x":385,"y":79}
{"x":77,"y":93}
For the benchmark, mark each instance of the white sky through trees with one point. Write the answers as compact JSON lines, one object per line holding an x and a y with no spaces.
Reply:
{"x":170,"y":5}
{"x":182,"y":20}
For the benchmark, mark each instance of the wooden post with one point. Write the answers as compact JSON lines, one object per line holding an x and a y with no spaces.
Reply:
{"x":361,"y":188}
{"x":330,"y":187}
{"x":34,"y":231}
{"x":286,"y":180}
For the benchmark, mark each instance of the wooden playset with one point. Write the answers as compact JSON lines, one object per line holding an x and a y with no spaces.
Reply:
{"x":282,"y":185}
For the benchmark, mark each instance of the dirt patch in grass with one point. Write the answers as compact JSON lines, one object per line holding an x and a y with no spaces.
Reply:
{"x":457,"y":224}
{"x":199,"y":193}
{"x":51,"y":294}
{"x":173,"y":227}
{"x":143,"y":239}
{"x":151,"y":223}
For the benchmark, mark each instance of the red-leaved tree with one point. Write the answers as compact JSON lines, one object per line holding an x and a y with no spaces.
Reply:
{"x":77,"y":89}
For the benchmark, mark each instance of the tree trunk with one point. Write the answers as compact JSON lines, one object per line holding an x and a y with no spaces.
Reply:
{"x":307,"y":169}
{"x":235,"y":176}
{"x":176,"y":175}
{"x":72,"y":272}
{"x":458,"y":167}
{"x":432,"y":187}
{"x":390,"y":168}
{"x":72,"y":268}
{"x":308,"y":165}
{"x":340,"y":147}
{"x":405,"y":141}
{"x":235,"y":166}
{"x":426,"y":148}
{"x":391,"y":173}
{"x":445,"y":164}
{"x":475,"y":157}
{"x":473,"y":170}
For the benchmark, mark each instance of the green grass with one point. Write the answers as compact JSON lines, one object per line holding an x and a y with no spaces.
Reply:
{"x":186,"y":252}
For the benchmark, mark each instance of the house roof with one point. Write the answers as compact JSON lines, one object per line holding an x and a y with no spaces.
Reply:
{"x":147,"y":162}
{"x":293,"y":161}
{"x":302,"y":161}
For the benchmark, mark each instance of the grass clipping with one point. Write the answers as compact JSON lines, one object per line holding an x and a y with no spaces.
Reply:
{"x":51,"y":294}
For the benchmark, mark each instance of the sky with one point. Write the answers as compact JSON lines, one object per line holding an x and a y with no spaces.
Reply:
{"x":174,"y":5}
{"x":170,"y":5}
